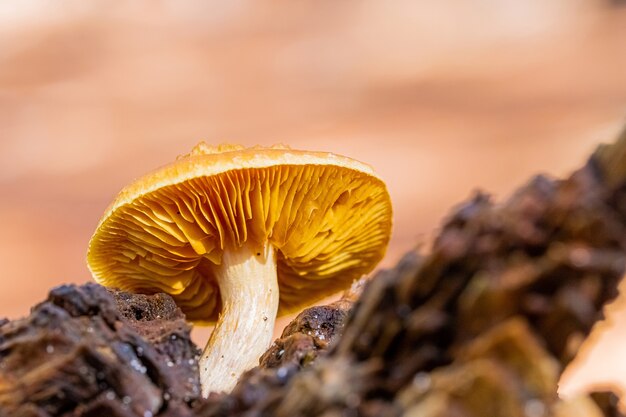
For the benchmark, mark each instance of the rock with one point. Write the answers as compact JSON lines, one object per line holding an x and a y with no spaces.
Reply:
{"x":86,"y":351}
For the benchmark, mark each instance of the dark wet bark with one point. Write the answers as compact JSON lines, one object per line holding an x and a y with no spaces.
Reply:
{"x":89,"y":352}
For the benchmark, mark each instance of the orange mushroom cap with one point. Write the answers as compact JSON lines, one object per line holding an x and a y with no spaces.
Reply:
{"x":327,"y":216}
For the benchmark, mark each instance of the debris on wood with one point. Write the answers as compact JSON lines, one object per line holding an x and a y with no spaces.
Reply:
{"x":309,"y":334}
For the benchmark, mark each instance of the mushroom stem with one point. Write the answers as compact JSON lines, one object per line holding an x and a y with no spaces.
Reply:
{"x":249,"y":291}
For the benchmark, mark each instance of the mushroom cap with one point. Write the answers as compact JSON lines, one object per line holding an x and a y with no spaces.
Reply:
{"x":327,"y":216}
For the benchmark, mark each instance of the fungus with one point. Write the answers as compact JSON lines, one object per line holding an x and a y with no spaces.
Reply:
{"x":238,"y":236}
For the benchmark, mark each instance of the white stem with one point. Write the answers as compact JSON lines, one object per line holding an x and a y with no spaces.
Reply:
{"x":249,"y":291}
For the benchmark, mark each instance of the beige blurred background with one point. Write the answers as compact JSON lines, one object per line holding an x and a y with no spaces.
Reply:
{"x":440,"y":97}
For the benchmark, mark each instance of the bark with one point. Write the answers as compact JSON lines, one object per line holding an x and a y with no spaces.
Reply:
{"x":86,"y":351}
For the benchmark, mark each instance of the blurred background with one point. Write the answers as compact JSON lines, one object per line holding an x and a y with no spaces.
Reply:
{"x":441,"y":98}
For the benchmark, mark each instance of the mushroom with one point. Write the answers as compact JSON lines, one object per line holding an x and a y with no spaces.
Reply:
{"x":240,"y":235}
